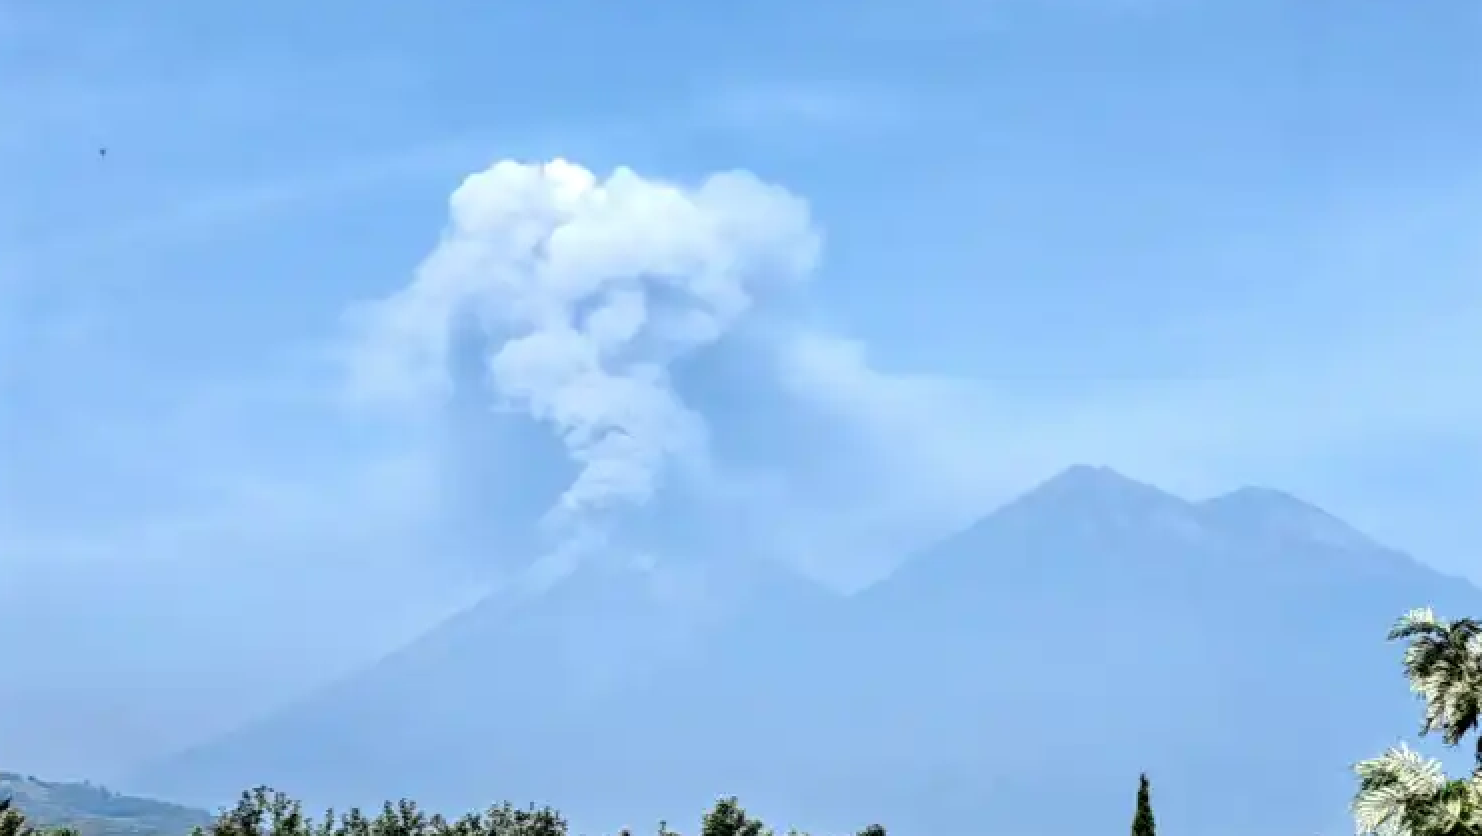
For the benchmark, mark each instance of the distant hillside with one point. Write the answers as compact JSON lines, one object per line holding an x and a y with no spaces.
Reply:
{"x":95,"y":811}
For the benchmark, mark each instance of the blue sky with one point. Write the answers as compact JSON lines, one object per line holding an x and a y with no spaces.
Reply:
{"x":1208,"y":243}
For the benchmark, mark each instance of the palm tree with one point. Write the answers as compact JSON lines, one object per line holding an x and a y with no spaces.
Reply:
{"x":1402,"y":793}
{"x":1444,"y":665}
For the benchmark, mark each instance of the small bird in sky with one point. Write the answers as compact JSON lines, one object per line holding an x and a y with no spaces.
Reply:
{"x":102,"y":152}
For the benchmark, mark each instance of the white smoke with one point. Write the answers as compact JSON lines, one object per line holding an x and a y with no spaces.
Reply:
{"x":588,"y":290}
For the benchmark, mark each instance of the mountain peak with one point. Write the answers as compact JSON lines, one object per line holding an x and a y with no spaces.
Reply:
{"x":1096,"y":501}
{"x":1090,"y":475}
{"x":1276,"y":514}
{"x":1092,"y":486}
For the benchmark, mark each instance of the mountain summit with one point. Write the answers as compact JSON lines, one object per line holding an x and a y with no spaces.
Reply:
{"x":1084,"y":483}
{"x":1280,"y":517}
{"x":1094,"y":503}
{"x":1095,"y":628}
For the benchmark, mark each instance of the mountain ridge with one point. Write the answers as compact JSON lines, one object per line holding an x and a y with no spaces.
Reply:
{"x":93,"y":810}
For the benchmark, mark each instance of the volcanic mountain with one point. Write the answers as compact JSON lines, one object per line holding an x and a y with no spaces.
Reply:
{"x":1015,"y":677}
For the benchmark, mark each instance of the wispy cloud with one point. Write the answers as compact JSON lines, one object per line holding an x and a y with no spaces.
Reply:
{"x":956,"y":21}
{"x":779,"y":109}
{"x":227,"y":206}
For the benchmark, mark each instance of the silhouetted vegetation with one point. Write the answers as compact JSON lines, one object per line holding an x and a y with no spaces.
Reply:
{"x":1142,"y":820}
{"x":267,"y":812}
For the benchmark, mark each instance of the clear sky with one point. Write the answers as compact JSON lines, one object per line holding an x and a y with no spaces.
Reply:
{"x":247,"y":355}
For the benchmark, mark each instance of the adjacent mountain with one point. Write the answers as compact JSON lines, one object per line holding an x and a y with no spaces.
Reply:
{"x":94,"y":811}
{"x":1014,"y":678}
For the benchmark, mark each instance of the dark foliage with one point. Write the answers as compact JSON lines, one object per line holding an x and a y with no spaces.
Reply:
{"x":1142,"y":821}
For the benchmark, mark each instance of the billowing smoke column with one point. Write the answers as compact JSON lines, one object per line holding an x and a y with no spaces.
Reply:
{"x":588,"y":291}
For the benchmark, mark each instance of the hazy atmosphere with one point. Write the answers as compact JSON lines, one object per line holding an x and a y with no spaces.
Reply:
{"x":323,"y":323}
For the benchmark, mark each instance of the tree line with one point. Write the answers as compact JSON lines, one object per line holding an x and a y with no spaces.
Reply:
{"x":267,"y":812}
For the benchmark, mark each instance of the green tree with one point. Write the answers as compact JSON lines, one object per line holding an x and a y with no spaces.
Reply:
{"x":1402,"y":793}
{"x":508,"y":820}
{"x":12,"y":822}
{"x":404,"y":818}
{"x":1444,"y":666}
{"x":1142,"y":820}
{"x":727,"y":818}
{"x":263,"y":812}
{"x":872,"y":830}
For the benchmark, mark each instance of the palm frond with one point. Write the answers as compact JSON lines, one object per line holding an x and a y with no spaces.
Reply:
{"x":1419,"y":621}
{"x":1403,"y":793}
